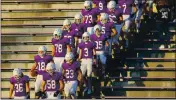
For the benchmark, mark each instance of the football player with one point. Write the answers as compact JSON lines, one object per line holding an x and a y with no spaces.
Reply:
{"x":71,"y":71}
{"x":90,"y":16}
{"x":108,"y":28}
{"x":20,"y":84}
{"x":126,"y":8}
{"x":41,"y":60}
{"x":70,"y":34}
{"x":60,"y":48}
{"x":87,"y":55}
{"x":140,"y":6}
{"x":100,"y":41}
{"x":100,"y":4}
{"x":114,"y":12}
{"x":52,"y":83}
{"x":78,"y":26}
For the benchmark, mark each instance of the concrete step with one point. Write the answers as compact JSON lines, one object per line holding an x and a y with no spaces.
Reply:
{"x":150,"y":94}
{"x":30,"y":56}
{"x":39,"y":1}
{"x":6,"y":94}
{"x":17,"y":65}
{"x":28,"y":30}
{"x":39,"y":22}
{"x":159,"y":64}
{"x":24,"y":38}
{"x":10,"y":74}
{"x":25,"y":47}
{"x":43,"y":6}
{"x":159,"y":83}
{"x":37,"y":14}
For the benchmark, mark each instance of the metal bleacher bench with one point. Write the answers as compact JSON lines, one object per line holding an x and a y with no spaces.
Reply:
{"x":38,"y":1}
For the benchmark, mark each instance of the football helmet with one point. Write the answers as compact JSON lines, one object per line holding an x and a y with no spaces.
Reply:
{"x":78,"y":18}
{"x":50,"y":68}
{"x":88,"y":5}
{"x":104,"y":18}
{"x":111,"y":5}
{"x":67,"y":24}
{"x":57,"y":34}
{"x":86,"y":34}
{"x":42,"y":50}
{"x":69,"y":57}
{"x":97,"y":27}
{"x":17,"y":73}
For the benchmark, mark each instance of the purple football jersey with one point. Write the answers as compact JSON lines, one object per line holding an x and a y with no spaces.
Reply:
{"x":87,"y":49}
{"x":60,"y":47}
{"x":90,"y":17}
{"x":71,"y":37}
{"x":101,"y":5}
{"x":114,"y":16}
{"x":79,"y":29}
{"x":99,"y":41}
{"x":42,"y":62}
{"x":19,"y":85}
{"x":107,"y":28}
{"x":52,"y":81}
{"x":70,"y":70}
{"x":126,"y":6}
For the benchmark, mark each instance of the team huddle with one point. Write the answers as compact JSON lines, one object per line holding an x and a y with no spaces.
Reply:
{"x":76,"y":47}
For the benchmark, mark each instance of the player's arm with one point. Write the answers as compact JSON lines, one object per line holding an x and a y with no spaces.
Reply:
{"x":68,"y":48}
{"x":53,"y":50}
{"x":80,"y":78}
{"x":94,"y":54}
{"x":80,"y":54}
{"x":32,"y":71}
{"x":61,"y":84}
{"x":114,"y":32}
{"x":98,"y":17}
{"x":76,"y":41}
{"x":11,"y":90}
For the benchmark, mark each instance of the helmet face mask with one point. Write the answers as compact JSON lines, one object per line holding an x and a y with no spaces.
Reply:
{"x":69,"y":58}
{"x":104,"y":21}
{"x":67,"y":24}
{"x":50,"y":71}
{"x":78,"y":18}
{"x":88,"y":5}
{"x":104,"y":18}
{"x":85,"y":37}
{"x":50,"y":68}
{"x":98,"y":32}
{"x":57,"y":34}
{"x":77,"y":21}
{"x":111,"y":6}
{"x":42,"y":51}
{"x":17,"y":73}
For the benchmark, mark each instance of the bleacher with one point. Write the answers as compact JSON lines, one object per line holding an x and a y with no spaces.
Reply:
{"x":27,"y":24}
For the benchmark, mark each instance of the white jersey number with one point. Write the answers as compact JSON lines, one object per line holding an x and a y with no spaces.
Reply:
{"x":58,"y":48}
{"x":99,"y":44}
{"x":86,"y":52}
{"x":51,"y":84}
{"x":41,"y":66}
{"x":19,"y":87}
{"x":88,"y":18}
{"x":69,"y":73}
